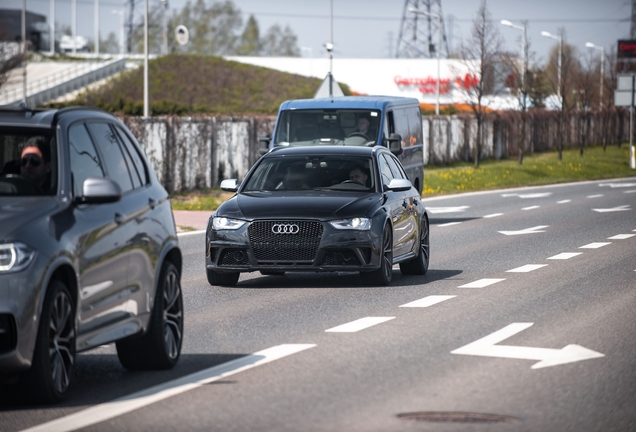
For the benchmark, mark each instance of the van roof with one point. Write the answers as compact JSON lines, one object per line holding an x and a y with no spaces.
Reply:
{"x":349,"y":102}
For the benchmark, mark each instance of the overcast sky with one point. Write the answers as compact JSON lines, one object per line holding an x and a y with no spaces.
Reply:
{"x":370,"y":28}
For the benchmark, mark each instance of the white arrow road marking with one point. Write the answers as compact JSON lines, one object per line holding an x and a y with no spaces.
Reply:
{"x":493,"y":215}
{"x":526,"y":268}
{"x":548,"y":357}
{"x":565,"y":255}
{"x":529,"y":195}
{"x":613,"y":209}
{"x":595,"y":245}
{"x":428,"y":301}
{"x":456,"y":209}
{"x":533,"y":230}
{"x":481,"y":283}
{"x":621,"y":236}
{"x":359,"y":324}
{"x":140,"y":399}
{"x":618,"y":185}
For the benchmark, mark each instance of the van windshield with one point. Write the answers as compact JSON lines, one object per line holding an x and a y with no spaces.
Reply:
{"x":328,"y":127}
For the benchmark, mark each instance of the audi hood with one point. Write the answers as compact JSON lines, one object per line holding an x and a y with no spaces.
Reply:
{"x":304,"y":205}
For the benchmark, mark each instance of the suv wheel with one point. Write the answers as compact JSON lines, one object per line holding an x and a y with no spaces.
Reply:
{"x":160,"y":346}
{"x":51,"y":371}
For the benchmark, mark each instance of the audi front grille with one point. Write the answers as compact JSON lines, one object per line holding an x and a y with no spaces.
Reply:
{"x":285,"y":241}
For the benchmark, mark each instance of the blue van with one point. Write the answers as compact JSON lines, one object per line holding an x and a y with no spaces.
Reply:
{"x":389,"y":121}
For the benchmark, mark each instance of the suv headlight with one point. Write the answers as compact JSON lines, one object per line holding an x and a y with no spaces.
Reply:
{"x":15,"y":257}
{"x":360,"y":224}
{"x":222,"y":223}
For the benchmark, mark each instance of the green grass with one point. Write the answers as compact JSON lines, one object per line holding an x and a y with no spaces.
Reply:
{"x":537,"y":169}
{"x":205,"y":199}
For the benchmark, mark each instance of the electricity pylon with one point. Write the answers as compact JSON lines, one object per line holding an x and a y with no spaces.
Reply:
{"x":418,"y":33}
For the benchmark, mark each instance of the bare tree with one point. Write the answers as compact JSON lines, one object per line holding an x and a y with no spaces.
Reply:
{"x":562,"y":81}
{"x":480,"y":55}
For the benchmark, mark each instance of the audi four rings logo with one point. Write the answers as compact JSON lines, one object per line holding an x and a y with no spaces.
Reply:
{"x":285,"y":229}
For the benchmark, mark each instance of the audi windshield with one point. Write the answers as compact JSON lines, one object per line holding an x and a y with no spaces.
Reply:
{"x":312,"y":172}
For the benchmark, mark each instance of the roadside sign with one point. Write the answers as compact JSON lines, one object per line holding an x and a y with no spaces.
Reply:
{"x":181,"y":34}
{"x":622,"y":98}
{"x":624,"y":83}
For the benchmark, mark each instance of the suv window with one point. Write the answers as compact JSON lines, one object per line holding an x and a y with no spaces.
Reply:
{"x":85,"y":161}
{"x":114,"y":161}
{"x":135,"y":163}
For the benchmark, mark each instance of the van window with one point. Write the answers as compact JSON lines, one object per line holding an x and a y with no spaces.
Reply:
{"x":415,"y":127}
{"x":401,"y":125}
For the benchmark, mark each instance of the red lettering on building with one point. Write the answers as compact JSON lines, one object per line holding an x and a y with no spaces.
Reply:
{"x":428,"y":85}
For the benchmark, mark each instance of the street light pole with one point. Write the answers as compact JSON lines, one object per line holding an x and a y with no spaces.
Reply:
{"x":560,"y":39}
{"x":602,"y":50}
{"x":439,"y":49}
{"x":524,"y":49}
{"x":146,"y":110}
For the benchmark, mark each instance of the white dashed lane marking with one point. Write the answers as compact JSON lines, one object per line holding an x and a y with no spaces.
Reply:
{"x":428,"y":301}
{"x":436,"y":210}
{"x":531,"y":207}
{"x":565,"y":255}
{"x":564,"y":201}
{"x":595,"y":245}
{"x":594,"y":196}
{"x":448,"y":224}
{"x":358,"y":325}
{"x":481,"y":283}
{"x":493,"y":215}
{"x":621,"y":236}
{"x":526,"y":268}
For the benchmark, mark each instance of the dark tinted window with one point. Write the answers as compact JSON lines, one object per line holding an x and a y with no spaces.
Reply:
{"x":116,"y":168}
{"x":85,"y":161}
{"x":393,"y":165}
{"x":385,"y":171}
{"x":137,"y":167}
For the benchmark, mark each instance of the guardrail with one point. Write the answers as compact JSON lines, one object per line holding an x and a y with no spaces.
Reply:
{"x":63,"y":82}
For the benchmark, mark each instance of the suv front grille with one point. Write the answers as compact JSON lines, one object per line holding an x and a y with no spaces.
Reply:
{"x":296,"y":241}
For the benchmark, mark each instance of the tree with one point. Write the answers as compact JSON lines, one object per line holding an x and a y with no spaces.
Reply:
{"x":538,"y":87}
{"x":278,"y":42}
{"x":564,"y":86}
{"x":480,"y":55}
{"x":250,"y":42}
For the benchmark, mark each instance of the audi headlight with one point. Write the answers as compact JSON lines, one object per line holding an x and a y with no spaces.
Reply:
{"x":222,"y":223}
{"x":360,"y":224}
{"x":15,"y":257}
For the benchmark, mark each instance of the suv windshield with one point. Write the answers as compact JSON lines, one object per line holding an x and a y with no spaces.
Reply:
{"x":327,"y":127}
{"x":28,"y":162}
{"x":312,"y":172}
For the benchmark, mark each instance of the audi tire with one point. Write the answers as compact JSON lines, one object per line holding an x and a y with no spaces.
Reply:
{"x":383,"y":275}
{"x":222,"y":279}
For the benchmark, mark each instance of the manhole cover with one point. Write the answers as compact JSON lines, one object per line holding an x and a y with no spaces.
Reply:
{"x":457,"y":417}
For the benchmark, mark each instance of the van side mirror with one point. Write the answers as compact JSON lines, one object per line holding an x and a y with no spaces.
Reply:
{"x":263,"y":143}
{"x":394,"y":143}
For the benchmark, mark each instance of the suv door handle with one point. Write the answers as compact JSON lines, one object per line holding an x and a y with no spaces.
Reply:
{"x":119,"y":218}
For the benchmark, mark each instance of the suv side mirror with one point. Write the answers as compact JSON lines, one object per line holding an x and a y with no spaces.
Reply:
{"x":229,"y":185}
{"x":394,"y":143}
{"x":99,"y":191}
{"x":263,"y":144}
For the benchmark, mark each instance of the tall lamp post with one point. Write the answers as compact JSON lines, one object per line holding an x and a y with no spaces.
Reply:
{"x":602,"y":50}
{"x":560,"y":39}
{"x":439,"y":49}
{"x":524,"y":49}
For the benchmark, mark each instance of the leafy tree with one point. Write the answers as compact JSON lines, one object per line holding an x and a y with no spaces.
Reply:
{"x":279,"y":42}
{"x":109,"y":45}
{"x":250,"y":42}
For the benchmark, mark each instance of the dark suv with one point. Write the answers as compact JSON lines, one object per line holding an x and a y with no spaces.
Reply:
{"x":88,"y":249}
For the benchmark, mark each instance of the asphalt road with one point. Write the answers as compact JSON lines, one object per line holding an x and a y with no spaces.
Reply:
{"x":525,"y":322}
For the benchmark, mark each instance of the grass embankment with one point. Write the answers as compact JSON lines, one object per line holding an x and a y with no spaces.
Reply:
{"x":537,"y":169}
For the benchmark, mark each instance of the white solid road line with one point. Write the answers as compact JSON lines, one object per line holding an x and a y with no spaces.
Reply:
{"x":481,"y":283}
{"x":456,"y":209}
{"x":140,"y":399}
{"x":621,"y":236}
{"x":428,"y":301}
{"x":565,"y":255}
{"x":595,"y":245}
{"x":526,"y":268}
{"x":359,"y":324}
{"x":187,"y":233}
